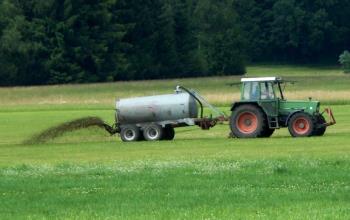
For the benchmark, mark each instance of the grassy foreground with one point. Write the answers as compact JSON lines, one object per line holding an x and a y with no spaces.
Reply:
{"x":200,"y":175}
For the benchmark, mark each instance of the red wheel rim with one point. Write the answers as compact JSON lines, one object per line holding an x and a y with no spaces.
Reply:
{"x":301,"y":125}
{"x":247,"y":122}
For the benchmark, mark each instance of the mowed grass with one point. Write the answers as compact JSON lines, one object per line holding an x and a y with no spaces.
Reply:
{"x":88,"y":174}
{"x":327,"y":84}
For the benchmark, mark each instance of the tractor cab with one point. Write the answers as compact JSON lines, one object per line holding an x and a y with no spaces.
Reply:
{"x":263,"y":88}
{"x":263,"y":108}
{"x":265,"y":92}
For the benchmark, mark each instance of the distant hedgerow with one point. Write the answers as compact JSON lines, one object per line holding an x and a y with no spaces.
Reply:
{"x":344,"y":60}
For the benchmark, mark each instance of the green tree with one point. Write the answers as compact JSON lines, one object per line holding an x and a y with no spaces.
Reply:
{"x":89,"y":42}
{"x":166,"y":47}
{"x":287,"y":28}
{"x":45,"y":41}
{"x":186,"y":44}
{"x":294,"y":31}
{"x":220,"y":37}
{"x":344,"y":60}
{"x":142,"y":37}
{"x":20,"y":50}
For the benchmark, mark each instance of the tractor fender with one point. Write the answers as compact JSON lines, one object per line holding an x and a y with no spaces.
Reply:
{"x":291,"y":114}
{"x":236,"y":104}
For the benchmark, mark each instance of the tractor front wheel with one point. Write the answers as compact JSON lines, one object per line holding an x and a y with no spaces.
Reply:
{"x":248,"y":121}
{"x":320,"y":127}
{"x":301,"y":125}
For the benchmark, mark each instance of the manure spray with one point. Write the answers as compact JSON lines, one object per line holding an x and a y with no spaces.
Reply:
{"x":77,"y":124}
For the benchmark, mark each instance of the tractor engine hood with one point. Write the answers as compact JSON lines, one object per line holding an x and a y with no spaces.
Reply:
{"x":310,"y":107}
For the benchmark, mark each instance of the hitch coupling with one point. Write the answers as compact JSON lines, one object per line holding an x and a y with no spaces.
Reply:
{"x":329,"y":112}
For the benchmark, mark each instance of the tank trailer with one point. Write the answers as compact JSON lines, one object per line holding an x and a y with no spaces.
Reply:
{"x":262,"y":109}
{"x":154,"y":118}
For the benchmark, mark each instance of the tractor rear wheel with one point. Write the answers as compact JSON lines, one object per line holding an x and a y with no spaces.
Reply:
{"x":301,"y":125}
{"x":268,"y":132}
{"x":130,"y":133}
{"x":153,"y":132}
{"x":320,"y":127}
{"x":169,"y":133}
{"x":248,"y":121}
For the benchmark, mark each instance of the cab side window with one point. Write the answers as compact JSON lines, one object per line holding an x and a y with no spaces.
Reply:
{"x":255,"y":91}
{"x":251,"y":91}
{"x":246,"y":91}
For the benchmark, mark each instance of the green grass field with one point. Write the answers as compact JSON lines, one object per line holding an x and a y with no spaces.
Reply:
{"x":88,"y":174}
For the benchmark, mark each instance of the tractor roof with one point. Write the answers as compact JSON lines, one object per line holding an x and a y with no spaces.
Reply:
{"x":261,"y":79}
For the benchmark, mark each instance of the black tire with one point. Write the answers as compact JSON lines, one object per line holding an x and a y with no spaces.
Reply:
{"x":320,"y":128}
{"x":169,"y":133}
{"x":141,"y":138}
{"x":254,"y":122}
{"x":153,"y":132}
{"x":268,"y":132}
{"x":301,"y":125}
{"x":130,"y":133}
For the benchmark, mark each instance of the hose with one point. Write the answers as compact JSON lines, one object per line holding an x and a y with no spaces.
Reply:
{"x":194,"y":96}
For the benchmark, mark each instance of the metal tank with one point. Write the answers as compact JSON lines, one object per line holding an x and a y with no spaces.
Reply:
{"x":158,"y":108}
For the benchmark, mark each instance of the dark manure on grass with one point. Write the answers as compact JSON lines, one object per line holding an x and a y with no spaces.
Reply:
{"x":59,"y":130}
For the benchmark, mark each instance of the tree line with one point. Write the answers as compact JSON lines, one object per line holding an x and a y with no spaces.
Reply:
{"x":76,"y":41}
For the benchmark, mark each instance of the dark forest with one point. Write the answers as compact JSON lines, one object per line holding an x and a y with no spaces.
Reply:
{"x":79,"y":41}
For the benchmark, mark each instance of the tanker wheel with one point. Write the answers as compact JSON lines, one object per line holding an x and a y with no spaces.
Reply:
{"x":169,"y":133}
{"x":141,"y":138}
{"x":153,"y":132}
{"x":130,"y":133}
{"x":248,"y":121}
{"x":301,"y":125}
{"x":320,"y":128}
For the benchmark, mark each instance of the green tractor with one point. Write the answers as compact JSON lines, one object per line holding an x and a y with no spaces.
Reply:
{"x":263,"y":108}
